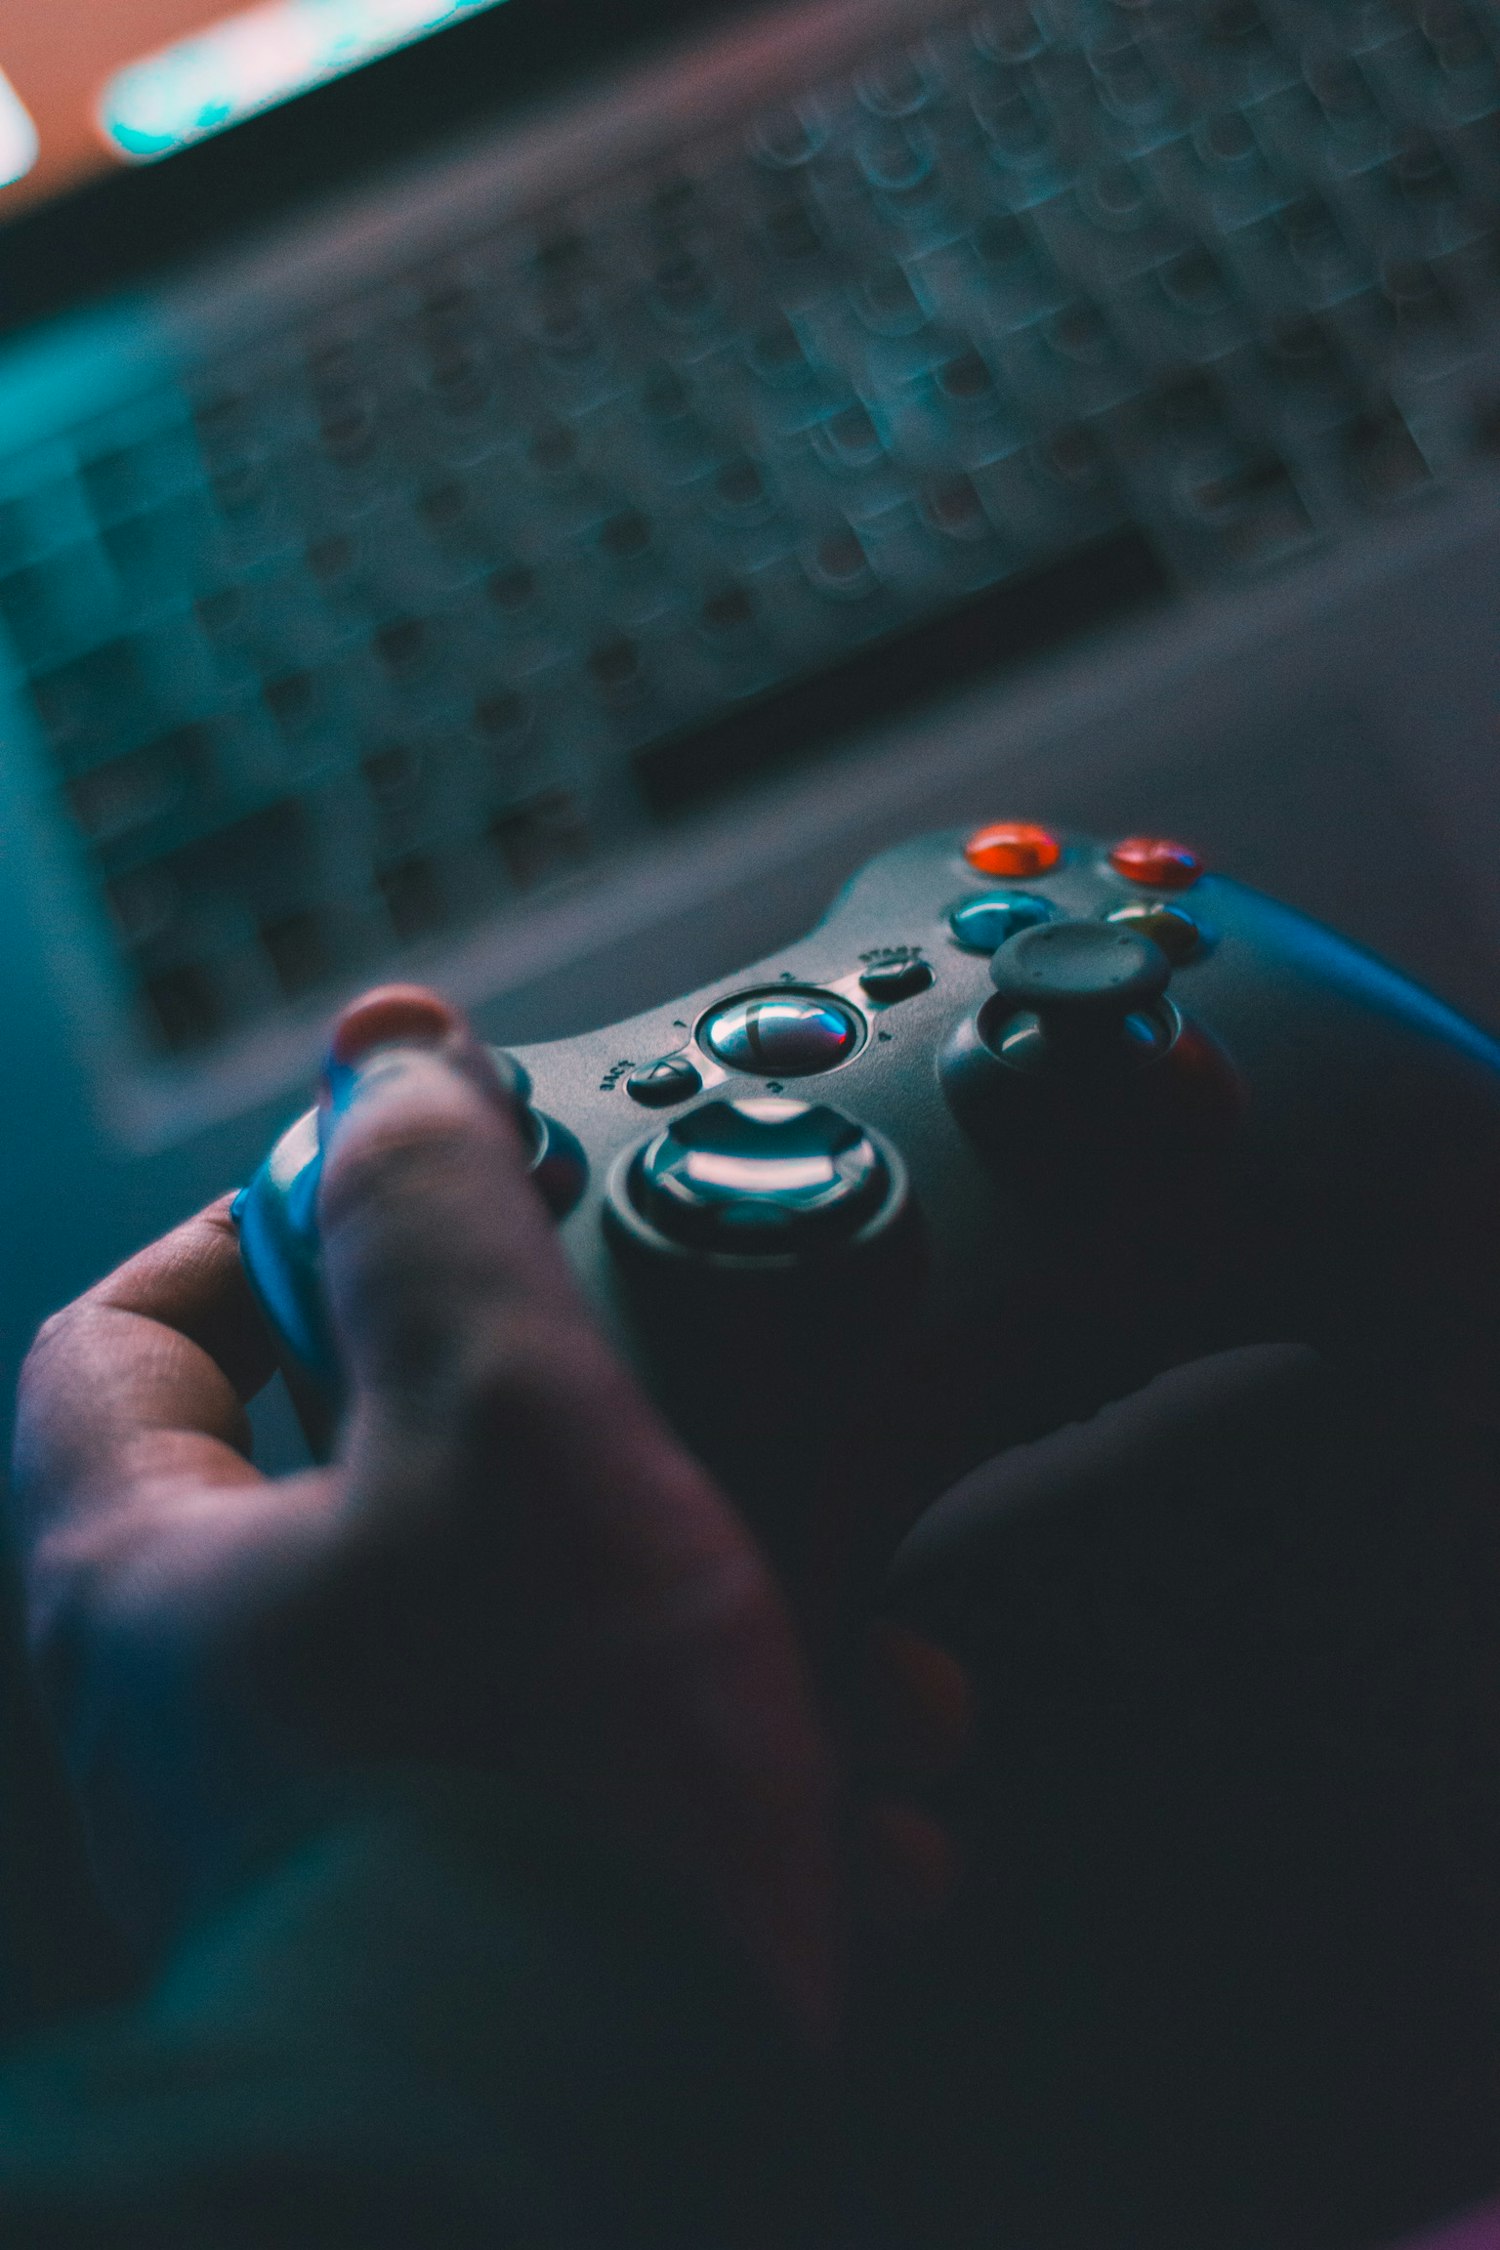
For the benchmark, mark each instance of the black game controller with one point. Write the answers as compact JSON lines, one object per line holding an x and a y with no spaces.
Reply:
{"x":1025,"y":1120}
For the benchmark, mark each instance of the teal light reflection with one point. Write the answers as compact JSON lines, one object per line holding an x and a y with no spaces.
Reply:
{"x":18,"y":141}
{"x":254,"y":61}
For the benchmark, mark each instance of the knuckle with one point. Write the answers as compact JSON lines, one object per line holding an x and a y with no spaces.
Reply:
{"x":50,"y":1370}
{"x":56,"y":1330}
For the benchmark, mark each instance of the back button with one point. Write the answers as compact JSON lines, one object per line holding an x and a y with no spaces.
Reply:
{"x":659,"y":1084}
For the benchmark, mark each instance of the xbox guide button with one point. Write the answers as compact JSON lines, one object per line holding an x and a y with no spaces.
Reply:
{"x":782,"y":1033}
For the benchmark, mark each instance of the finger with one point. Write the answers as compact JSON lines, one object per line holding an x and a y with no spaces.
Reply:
{"x":590,"y":1548}
{"x":431,"y":1230}
{"x":467,"y":1339}
{"x":144,"y":1376}
{"x":913,"y":1728}
{"x":1144,"y":1495}
{"x":908,"y":1867}
{"x":916,"y":1714}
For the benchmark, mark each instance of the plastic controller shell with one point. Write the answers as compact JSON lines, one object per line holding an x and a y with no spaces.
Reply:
{"x":1355,"y":1203}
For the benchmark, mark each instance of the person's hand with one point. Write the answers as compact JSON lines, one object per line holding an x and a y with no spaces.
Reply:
{"x":511,"y":1564}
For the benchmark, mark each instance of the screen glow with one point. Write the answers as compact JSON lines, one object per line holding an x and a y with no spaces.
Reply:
{"x":253,"y":61}
{"x":18,"y":141}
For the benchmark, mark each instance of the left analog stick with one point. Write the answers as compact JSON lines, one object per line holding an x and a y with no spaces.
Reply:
{"x":761,"y":1177}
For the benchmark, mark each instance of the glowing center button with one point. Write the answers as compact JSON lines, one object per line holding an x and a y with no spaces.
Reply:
{"x":782,"y":1033}
{"x":1013,"y":848}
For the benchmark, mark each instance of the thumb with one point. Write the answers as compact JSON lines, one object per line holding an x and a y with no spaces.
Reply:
{"x":431,"y":1232}
{"x":629,"y":1621}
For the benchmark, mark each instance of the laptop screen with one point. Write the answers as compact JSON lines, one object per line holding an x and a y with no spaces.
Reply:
{"x":89,"y":86}
{"x":136,"y":132}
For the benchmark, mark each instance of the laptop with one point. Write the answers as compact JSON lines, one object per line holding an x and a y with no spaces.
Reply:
{"x":529,"y":494}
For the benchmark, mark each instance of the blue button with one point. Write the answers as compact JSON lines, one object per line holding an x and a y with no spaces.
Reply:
{"x":782,"y":1034}
{"x":983,"y":924}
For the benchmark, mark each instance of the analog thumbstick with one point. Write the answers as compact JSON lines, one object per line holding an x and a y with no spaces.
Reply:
{"x":1079,"y":992}
{"x":761,"y":1177}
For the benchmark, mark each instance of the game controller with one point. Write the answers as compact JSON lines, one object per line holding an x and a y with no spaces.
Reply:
{"x":1025,"y":1120}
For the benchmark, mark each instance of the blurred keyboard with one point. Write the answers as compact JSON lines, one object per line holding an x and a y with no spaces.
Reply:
{"x":338,"y":649}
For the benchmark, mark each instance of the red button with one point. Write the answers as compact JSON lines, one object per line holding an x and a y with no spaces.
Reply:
{"x":1157,"y":863}
{"x":1013,"y":847}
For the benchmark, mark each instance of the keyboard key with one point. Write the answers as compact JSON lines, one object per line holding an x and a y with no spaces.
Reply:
{"x":1014,"y":124}
{"x":848,"y":440}
{"x":739,"y":492}
{"x":96,"y":698}
{"x":48,"y":607}
{"x":542,"y":838}
{"x":887,"y":303}
{"x":682,"y":290}
{"x":615,"y":668}
{"x":503,"y":719}
{"x":300,"y":950}
{"x":898,"y":84}
{"x":955,"y":510}
{"x":291,"y":699}
{"x":839,"y":565}
{"x":186,"y":1007}
{"x":1009,"y":34}
{"x":1418,"y":301}
{"x":414,"y":895}
{"x":1194,"y":282}
{"x":792,"y":232}
{"x":897,"y":160}
{"x":625,"y":536}
{"x":512,"y":588}
{"x":1383,"y":460}
{"x":142,"y":789}
{"x":1326,"y":265}
{"x":729,"y":613}
{"x":406,"y":647}
{"x":553,"y":451}
{"x":394,"y":777}
{"x":785,"y":139}
{"x":1252,"y":505}
{"x":966,"y":383}
{"x":665,"y":397}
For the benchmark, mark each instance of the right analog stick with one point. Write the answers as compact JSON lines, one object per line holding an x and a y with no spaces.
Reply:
{"x":1083,"y":990}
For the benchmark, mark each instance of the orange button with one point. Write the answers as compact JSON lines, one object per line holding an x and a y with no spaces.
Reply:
{"x":1156,"y":862}
{"x":1013,"y":847}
